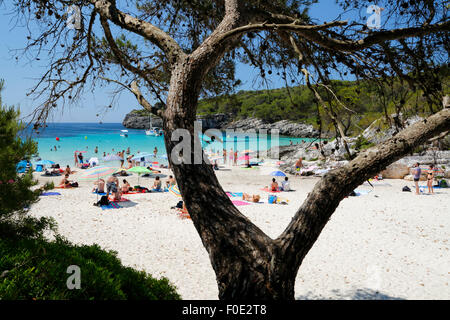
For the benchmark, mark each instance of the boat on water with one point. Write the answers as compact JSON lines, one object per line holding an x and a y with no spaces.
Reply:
{"x":124,"y":133}
{"x":153,"y":131}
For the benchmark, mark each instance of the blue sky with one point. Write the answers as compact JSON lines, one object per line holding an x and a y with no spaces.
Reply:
{"x":20,"y":76}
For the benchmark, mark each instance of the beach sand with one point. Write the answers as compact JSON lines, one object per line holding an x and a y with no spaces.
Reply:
{"x":386,"y":244}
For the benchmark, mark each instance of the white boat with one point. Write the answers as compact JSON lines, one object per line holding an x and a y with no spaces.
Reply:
{"x":124,"y":133}
{"x":153,"y":131}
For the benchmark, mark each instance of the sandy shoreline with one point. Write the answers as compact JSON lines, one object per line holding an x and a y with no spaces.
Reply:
{"x":387,"y":241}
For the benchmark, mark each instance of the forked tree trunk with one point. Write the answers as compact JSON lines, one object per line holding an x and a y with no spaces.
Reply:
{"x":240,"y":253}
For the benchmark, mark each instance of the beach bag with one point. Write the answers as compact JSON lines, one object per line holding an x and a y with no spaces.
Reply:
{"x":406,"y":189}
{"x":443,"y":184}
{"x":75,"y":184}
{"x":272,"y":198}
{"x":352,"y":194}
{"x":103,"y":201}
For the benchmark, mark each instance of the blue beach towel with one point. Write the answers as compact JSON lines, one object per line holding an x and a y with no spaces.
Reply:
{"x":100,"y":193}
{"x":50,"y":194}
{"x":160,"y":190}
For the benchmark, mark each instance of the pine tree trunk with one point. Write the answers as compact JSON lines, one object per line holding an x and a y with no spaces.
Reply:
{"x":240,"y":253}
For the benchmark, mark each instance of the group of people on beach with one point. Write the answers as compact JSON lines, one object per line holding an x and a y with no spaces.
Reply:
{"x":113,"y":187}
{"x":232,"y":156}
{"x":430,"y":177}
{"x":80,"y":162}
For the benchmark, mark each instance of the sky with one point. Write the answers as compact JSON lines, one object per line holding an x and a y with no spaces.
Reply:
{"x":21,"y":76}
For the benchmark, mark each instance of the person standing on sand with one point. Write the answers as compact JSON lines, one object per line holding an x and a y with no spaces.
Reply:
{"x":235,"y":158}
{"x":224,"y":153}
{"x":80,"y":157}
{"x":230,"y":157}
{"x":122,"y":154}
{"x":76,"y":159}
{"x":430,"y":179}
{"x":298,"y":165}
{"x":417,"y":173}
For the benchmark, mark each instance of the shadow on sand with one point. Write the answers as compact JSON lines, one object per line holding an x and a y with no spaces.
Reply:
{"x":358,"y":294}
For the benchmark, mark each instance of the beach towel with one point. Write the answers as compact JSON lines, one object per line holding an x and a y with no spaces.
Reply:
{"x":240,"y":203}
{"x":234,"y":194}
{"x":100,"y":193}
{"x":426,"y":187}
{"x":160,"y":190}
{"x":121,"y":200}
{"x":135,"y":192}
{"x":268,"y":190}
{"x":112,"y":205}
{"x":50,"y":194}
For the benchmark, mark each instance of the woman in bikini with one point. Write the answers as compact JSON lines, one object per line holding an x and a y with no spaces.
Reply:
{"x":430,"y":178}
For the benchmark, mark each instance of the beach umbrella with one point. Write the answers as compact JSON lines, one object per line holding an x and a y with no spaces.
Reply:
{"x":44,"y":163}
{"x":278,"y":173}
{"x":93,"y":161}
{"x":112,"y":157}
{"x":97,"y":172}
{"x":175,"y":191}
{"x":81,"y":151}
{"x":139,"y":171}
{"x":142,"y":155}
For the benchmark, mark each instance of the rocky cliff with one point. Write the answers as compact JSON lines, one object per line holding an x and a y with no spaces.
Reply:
{"x":285,"y":127}
{"x":134,"y":120}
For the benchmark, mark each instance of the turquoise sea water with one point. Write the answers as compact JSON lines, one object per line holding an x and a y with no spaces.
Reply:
{"x":106,"y":136}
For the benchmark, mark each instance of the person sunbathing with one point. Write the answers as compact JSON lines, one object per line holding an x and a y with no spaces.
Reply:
{"x":65,"y":183}
{"x":274,"y":185}
{"x":100,"y":186}
{"x":157,"y":184}
{"x":253,"y":198}
{"x":126,"y":187}
{"x":154,"y":170}
{"x":171,"y":181}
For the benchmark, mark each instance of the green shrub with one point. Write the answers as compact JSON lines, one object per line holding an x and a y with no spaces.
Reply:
{"x":37,"y":269}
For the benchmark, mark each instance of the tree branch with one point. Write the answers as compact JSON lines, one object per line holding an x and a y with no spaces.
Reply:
{"x":308,"y":222}
{"x":311,"y":33}
{"x":161,"y":39}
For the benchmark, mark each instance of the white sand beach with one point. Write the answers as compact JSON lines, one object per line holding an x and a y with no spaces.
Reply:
{"x":386,"y":244}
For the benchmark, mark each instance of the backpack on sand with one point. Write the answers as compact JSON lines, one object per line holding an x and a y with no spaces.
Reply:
{"x":406,"y":189}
